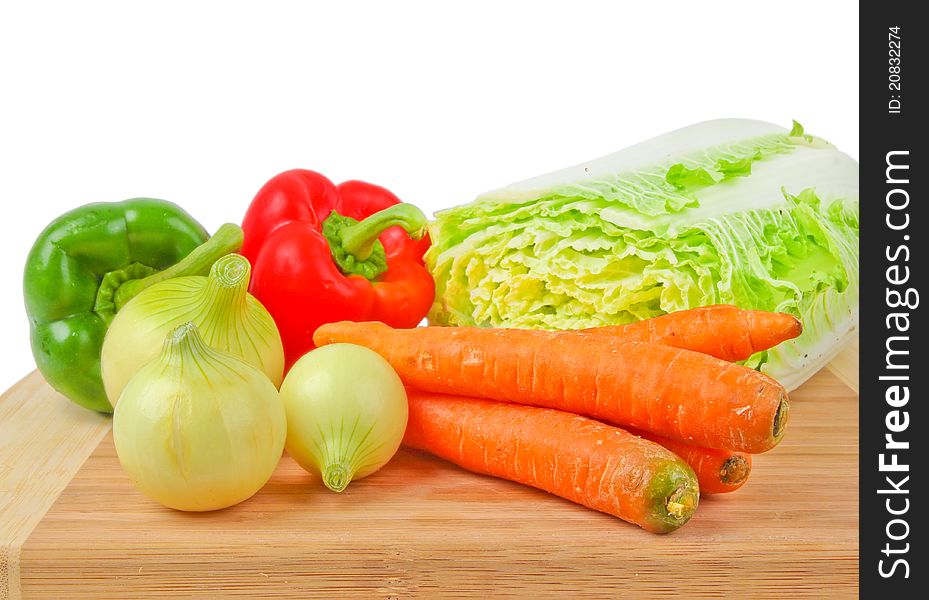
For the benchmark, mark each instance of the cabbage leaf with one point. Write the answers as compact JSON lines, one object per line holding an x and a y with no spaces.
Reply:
{"x":733,"y":211}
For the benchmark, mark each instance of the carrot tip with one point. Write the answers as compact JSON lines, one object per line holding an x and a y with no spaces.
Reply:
{"x":735,"y":470}
{"x":682,"y":502}
{"x":780,"y":417}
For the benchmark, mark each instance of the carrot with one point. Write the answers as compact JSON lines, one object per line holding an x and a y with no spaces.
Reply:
{"x":582,"y":460}
{"x":679,"y":394}
{"x":719,"y":471}
{"x":721,"y":330}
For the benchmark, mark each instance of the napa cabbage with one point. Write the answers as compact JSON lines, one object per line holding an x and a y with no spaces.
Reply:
{"x":730,"y":211}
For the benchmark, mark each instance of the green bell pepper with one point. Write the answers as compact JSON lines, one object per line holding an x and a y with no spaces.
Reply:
{"x":87,"y":263}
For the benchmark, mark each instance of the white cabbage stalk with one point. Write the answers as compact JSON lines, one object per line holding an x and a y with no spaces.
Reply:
{"x":731,"y":211}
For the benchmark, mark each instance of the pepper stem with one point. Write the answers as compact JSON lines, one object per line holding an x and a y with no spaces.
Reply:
{"x":228,"y":238}
{"x":359,"y":239}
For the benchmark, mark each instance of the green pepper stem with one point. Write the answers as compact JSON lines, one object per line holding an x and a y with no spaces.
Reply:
{"x":358,"y":239}
{"x":228,"y":238}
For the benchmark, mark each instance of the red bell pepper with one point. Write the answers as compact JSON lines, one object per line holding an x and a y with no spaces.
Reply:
{"x":322,"y":253}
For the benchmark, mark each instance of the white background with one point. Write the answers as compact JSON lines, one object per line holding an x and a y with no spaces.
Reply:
{"x":200,"y":103}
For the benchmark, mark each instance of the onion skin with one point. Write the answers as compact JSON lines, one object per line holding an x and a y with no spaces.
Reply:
{"x":198,"y":429}
{"x":346,"y":413}
{"x":228,"y":318}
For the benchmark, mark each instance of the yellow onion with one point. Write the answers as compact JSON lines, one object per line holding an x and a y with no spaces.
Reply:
{"x":346,"y":413}
{"x":227,"y":316}
{"x":198,"y":429}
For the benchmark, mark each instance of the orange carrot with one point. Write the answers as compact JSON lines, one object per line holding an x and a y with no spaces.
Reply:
{"x":721,"y":330}
{"x":719,"y":471}
{"x":679,"y":394}
{"x":582,"y":460}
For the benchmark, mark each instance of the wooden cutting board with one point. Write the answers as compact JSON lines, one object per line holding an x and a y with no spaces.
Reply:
{"x":419,"y":527}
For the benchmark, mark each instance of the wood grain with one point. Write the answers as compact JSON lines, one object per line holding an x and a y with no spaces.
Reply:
{"x":44,"y":439}
{"x":423,"y":528}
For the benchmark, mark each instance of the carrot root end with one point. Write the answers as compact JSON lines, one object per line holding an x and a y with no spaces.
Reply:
{"x":682,"y":503}
{"x":780,"y":418}
{"x":734,"y":470}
